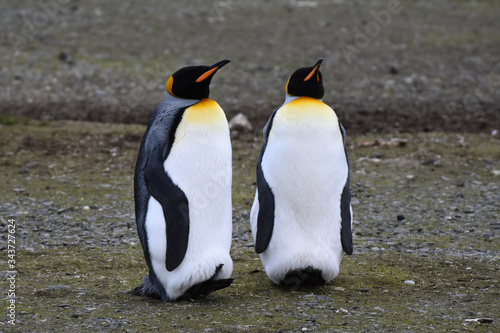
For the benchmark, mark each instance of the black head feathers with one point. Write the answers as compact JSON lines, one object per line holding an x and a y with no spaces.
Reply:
{"x":306,"y":81}
{"x":193,"y":82}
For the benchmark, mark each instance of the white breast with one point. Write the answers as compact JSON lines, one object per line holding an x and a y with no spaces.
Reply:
{"x":199,"y":163}
{"x":305,"y":165}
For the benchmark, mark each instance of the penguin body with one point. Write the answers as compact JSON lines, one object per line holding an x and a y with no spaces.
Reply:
{"x":301,"y":215}
{"x":182,"y":189}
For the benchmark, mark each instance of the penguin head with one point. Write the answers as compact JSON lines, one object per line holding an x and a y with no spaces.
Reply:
{"x":193,"y":82}
{"x":306,"y":81}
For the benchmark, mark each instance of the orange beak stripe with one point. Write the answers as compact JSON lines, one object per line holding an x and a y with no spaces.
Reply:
{"x":311,"y":74}
{"x":206,"y":74}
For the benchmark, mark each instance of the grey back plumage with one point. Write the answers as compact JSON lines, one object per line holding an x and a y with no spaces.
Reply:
{"x":159,"y":136}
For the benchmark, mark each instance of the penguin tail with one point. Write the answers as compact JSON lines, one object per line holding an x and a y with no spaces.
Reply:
{"x":303,"y":276}
{"x":148,"y":289}
{"x":204,"y":288}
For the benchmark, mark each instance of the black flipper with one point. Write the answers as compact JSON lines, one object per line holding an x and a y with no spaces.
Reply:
{"x":265,"y":218}
{"x":206,"y":287}
{"x":345,"y":206}
{"x":155,"y":147}
{"x":175,"y":208}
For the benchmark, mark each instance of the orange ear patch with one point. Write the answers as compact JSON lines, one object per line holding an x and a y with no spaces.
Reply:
{"x":206,"y":74}
{"x":286,"y":88}
{"x":170,"y":83}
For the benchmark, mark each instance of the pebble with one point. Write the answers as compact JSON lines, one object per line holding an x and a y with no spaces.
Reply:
{"x":409,"y":282}
{"x":240,"y":123}
{"x":481,"y":320}
{"x":65,"y":209}
{"x":58,"y":287}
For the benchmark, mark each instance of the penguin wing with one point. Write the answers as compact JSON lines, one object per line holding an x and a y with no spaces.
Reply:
{"x":265,"y":217}
{"x":155,"y":182}
{"x":175,"y":208}
{"x":345,"y":206}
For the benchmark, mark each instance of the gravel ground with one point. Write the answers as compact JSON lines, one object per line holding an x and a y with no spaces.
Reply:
{"x":426,"y":235}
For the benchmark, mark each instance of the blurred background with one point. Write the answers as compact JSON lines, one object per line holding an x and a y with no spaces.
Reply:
{"x":389,"y":65}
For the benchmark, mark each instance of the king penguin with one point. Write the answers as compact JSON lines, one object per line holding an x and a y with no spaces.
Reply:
{"x":182,"y":190}
{"x":301,"y":215}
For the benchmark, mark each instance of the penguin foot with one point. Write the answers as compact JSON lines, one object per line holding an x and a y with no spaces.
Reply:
{"x":303,"y":276}
{"x":204,"y":288}
{"x":148,"y":289}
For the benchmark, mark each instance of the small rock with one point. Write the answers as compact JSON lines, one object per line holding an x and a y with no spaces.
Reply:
{"x":65,"y":209}
{"x":58,"y":287}
{"x":495,"y":225}
{"x":240,"y":123}
{"x":400,"y":217}
{"x":409,"y":282}
{"x":66,"y":57}
{"x":481,"y":320}
{"x":30,"y":165}
{"x":234,"y":134}
{"x":393,"y":70}
{"x":24,"y":170}
{"x":429,"y":161}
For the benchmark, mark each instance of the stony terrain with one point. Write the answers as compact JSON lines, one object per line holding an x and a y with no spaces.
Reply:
{"x":415,"y":84}
{"x":426,"y":237}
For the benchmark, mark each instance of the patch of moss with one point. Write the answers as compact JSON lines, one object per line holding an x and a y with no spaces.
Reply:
{"x":85,"y":285}
{"x":13,"y":120}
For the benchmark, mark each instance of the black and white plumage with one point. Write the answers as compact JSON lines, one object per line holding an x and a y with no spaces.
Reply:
{"x":301,"y":216}
{"x":182,"y":190}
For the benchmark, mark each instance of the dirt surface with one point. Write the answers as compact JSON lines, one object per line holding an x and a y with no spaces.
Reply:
{"x":426,"y":238}
{"x":409,"y":66}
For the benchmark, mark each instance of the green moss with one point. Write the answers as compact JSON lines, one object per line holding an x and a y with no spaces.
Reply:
{"x":87,"y":286}
{"x":12,"y":120}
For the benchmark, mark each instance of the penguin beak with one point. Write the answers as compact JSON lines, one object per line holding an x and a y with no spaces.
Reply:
{"x":212,"y":69}
{"x":314,"y":70}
